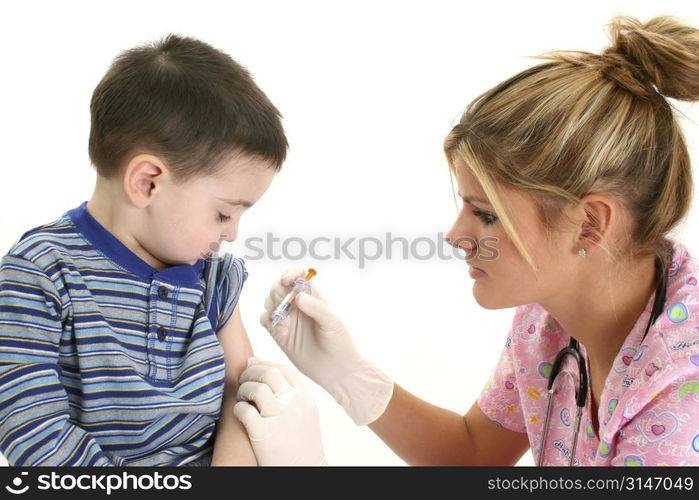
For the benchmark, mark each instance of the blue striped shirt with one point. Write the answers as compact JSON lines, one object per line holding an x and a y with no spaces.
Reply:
{"x":104,"y":360}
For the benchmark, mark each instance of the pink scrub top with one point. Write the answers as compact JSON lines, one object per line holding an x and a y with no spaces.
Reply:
{"x":649,"y":408}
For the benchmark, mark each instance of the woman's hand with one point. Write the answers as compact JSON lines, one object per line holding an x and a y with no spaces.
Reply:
{"x":279,"y":415}
{"x":320,"y":346}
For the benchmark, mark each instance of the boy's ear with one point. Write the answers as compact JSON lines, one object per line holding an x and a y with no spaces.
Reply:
{"x":142,"y":176}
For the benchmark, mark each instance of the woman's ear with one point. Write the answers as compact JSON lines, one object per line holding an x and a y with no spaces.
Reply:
{"x":597,"y":212}
{"x":142,"y":177}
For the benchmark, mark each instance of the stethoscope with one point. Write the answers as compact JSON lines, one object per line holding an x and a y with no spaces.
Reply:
{"x":572,"y":350}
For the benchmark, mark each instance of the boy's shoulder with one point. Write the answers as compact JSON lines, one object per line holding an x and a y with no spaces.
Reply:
{"x":47,"y":241}
{"x":225,"y":273}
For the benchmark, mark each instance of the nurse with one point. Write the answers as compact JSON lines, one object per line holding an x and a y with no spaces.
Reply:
{"x":578,"y":168}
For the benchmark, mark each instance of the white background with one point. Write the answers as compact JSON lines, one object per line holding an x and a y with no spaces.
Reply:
{"x":368,"y":91}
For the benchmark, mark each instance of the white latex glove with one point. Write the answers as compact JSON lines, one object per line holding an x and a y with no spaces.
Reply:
{"x":317,"y":342}
{"x":279,"y":415}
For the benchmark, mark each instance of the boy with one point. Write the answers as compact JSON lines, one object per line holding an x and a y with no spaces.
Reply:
{"x":120,"y":339}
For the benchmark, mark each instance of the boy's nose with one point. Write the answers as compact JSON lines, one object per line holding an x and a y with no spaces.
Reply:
{"x":228,"y":237}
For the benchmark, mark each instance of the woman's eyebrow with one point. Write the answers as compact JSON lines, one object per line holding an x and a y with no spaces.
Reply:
{"x":243,"y":203}
{"x":469,"y":199}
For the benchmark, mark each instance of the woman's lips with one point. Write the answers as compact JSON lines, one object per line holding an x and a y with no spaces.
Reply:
{"x":476,"y":272}
{"x":475,"y":267}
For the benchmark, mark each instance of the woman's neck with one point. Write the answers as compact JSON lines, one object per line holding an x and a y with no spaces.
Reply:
{"x":600,"y":311}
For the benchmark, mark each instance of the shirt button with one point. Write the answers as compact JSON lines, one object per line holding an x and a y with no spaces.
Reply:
{"x":162,"y":292}
{"x":162,"y":333}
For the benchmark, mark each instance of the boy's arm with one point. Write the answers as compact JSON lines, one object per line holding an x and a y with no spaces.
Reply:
{"x":232,"y":446}
{"x":36,"y":422}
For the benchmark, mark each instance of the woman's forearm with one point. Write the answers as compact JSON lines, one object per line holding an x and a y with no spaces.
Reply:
{"x":423,"y":434}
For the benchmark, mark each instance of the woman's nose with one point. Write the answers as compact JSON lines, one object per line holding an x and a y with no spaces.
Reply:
{"x":459,"y":237}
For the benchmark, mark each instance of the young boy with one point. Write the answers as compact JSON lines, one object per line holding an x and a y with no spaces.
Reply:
{"x":120,"y":340}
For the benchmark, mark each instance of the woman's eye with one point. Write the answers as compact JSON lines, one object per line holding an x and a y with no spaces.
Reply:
{"x":224,"y":218}
{"x":487,"y":218}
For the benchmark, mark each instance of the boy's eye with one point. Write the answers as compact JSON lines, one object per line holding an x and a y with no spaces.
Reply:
{"x":224,"y":218}
{"x":487,"y":218}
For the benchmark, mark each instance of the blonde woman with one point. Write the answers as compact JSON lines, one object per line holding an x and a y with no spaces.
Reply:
{"x":578,"y":168}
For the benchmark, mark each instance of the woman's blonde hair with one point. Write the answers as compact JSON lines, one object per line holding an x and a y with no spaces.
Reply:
{"x":591,"y":123}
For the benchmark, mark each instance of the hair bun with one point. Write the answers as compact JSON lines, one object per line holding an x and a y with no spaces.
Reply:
{"x":663,"y":52}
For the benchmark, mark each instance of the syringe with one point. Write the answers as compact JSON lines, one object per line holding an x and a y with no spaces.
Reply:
{"x":282,"y":310}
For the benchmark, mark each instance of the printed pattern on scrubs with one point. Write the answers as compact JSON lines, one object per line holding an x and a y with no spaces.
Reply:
{"x":649,"y":408}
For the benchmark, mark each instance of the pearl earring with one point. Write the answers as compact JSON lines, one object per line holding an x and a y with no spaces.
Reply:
{"x":582,"y":252}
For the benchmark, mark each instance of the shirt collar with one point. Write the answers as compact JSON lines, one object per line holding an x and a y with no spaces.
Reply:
{"x":115,"y":250}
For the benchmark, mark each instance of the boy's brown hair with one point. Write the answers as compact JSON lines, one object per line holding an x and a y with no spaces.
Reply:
{"x":186,"y":102}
